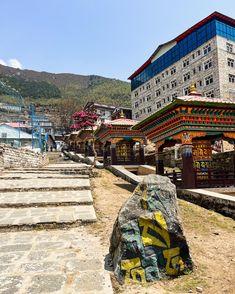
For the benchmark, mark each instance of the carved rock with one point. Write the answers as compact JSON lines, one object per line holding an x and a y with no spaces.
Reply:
{"x":147,"y":241}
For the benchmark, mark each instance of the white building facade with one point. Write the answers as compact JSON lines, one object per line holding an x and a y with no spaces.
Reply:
{"x":204,"y":55}
{"x":14,"y":136}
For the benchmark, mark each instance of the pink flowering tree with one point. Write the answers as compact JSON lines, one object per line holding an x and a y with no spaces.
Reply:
{"x":86,"y":120}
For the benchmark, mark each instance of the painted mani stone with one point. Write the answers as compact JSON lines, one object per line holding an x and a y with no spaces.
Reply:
{"x":147,"y":241}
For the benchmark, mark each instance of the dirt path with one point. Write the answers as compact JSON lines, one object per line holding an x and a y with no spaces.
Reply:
{"x":211,"y":238}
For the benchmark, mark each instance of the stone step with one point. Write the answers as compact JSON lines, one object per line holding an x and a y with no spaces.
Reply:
{"x":45,"y":198}
{"x":56,"y":167}
{"x":51,"y":172}
{"x":44,"y":184}
{"x":72,"y":165}
{"x":19,"y":176}
{"x":83,"y":171}
{"x":54,"y":156}
{"x":51,"y":169}
{"x":45,"y":217}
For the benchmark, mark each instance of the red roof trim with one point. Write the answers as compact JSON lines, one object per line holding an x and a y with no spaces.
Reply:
{"x":140,"y":69}
{"x":215,"y":14}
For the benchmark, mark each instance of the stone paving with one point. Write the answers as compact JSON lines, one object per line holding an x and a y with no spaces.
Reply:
{"x":67,"y":260}
{"x":57,"y":261}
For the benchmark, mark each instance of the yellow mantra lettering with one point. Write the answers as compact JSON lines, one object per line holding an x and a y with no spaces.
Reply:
{"x":174,"y":262}
{"x":133,"y":270}
{"x":149,"y":239}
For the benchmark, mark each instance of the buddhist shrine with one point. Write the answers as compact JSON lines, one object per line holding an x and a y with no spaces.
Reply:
{"x":195,"y":122}
{"x":121,"y":144}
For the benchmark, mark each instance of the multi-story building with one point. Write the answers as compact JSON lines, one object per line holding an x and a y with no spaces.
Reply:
{"x":107,"y":112}
{"x":122,"y":111}
{"x":204,"y":55}
{"x":102,"y":110}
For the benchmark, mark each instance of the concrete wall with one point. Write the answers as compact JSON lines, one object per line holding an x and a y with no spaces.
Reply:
{"x":224,"y":204}
{"x":146,"y":170}
{"x":227,"y":89}
{"x":11,"y":157}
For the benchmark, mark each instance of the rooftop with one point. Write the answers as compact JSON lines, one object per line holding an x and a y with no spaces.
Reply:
{"x":215,"y":15}
{"x":122,"y":122}
{"x":17,"y":125}
{"x":99,"y":105}
{"x":193,"y":100}
{"x":205,"y":99}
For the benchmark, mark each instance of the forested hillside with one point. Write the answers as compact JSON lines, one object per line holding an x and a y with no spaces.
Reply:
{"x":49,"y":88}
{"x":33,"y":89}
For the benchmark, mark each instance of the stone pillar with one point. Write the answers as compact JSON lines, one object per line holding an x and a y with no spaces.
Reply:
{"x":159,"y":162}
{"x":188,"y":174}
{"x":141,"y":153}
{"x":113,"y":154}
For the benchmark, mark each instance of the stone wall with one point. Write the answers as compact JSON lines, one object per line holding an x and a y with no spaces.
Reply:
{"x":11,"y":157}
{"x":227,"y":90}
{"x":171,"y":158}
{"x":143,"y":107}
{"x":223,"y":161}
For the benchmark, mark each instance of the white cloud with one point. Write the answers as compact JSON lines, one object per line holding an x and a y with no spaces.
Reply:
{"x":2,"y":62}
{"x":13,"y":62}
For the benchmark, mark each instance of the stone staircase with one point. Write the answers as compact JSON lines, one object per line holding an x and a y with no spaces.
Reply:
{"x":45,"y":246}
{"x":55,"y":157}
{"x":53,"y":196}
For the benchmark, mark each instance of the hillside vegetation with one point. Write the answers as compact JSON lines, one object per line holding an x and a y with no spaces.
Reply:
{"x":49,"y":88}
{"x":32,"y":89}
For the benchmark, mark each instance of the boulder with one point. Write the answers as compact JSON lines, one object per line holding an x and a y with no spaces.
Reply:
{"x":147,"y":242}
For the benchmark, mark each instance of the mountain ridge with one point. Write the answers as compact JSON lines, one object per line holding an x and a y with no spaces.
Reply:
{"x":82,"y":88}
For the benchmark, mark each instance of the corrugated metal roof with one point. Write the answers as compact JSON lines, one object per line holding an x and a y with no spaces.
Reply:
{"x":17,"y":125}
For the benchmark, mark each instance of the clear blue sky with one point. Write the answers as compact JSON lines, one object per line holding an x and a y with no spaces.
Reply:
{"x":110,"y":38}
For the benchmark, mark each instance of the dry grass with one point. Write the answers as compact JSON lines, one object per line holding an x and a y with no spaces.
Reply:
{"x":210,"y":237}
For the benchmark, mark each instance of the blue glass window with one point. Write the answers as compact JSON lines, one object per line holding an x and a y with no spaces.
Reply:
{"x":184,"y":47}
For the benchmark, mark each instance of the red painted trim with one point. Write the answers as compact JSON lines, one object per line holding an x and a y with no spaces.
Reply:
{"x":140,"y":69}
{"x":112,"y":133}
{"x":215,"y":14}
